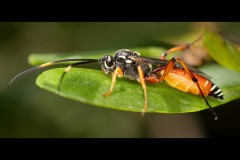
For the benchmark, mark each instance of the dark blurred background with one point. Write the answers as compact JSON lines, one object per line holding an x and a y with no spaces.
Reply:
{"x":28,"y":111}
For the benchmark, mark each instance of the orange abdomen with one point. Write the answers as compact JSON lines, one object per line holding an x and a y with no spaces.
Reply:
{"x":178,"y":78}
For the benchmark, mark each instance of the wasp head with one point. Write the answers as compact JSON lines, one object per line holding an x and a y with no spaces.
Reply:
{"x":108,"y":64}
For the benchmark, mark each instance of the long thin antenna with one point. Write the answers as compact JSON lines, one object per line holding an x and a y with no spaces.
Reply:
{"x":51,"y":64}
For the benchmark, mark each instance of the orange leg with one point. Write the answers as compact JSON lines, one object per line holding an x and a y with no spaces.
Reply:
{"x":182,"y":47}
{"x":142,"y":81}
{"x":118,"y":72}
{"x":169,"y":68}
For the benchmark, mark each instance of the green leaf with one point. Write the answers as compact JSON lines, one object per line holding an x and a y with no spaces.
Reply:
{"x":88,"y":86}
{"x":222,"y":51}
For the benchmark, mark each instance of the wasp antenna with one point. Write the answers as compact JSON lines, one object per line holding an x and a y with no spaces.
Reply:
{"x":22,"y":73}
{"x":51,"y":64}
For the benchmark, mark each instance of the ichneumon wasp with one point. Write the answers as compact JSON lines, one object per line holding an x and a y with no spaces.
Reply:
{"x":129,"y":64}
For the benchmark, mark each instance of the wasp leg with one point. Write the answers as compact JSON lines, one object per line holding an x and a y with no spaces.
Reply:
{"x":182,"y":47}
{"x":67,"y":70}
{"x":118,"y":72}
{"x":152,"y":79}
{"x":142,"y":81}
{"x":169,"y":68}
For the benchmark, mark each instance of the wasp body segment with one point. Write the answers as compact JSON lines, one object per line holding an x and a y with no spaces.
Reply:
{"x":180,"y":80}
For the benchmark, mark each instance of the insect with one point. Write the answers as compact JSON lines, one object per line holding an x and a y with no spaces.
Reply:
{"x":129,"y":64}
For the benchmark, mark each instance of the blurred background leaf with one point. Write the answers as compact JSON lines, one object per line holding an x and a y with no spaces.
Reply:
{"x":222,"y":51}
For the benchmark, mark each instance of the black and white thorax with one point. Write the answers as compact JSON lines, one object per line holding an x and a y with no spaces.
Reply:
{"x":128,"y":62}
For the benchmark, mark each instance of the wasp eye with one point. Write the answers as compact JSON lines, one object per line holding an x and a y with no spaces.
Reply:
{"x":109,"y":61}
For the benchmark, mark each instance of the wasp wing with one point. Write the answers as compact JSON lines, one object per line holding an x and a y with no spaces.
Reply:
{"x":162,"y":63}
